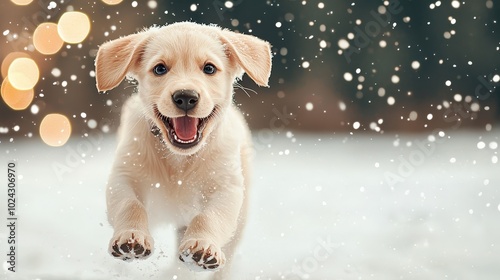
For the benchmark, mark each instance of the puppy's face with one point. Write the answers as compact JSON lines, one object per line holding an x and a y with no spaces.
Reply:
{"x":186,"y":82}
{"x":185,"y":73}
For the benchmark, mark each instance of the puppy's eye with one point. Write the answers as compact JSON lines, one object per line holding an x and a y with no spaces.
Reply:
{"x":160,"y":69}
{"x":209,"y":69}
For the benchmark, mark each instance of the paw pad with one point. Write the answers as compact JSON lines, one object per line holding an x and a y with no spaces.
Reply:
{"x":131,"y":245}
{"x":201,"y":255}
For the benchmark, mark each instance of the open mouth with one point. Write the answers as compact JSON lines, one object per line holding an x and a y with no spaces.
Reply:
{"x":184,"y":132}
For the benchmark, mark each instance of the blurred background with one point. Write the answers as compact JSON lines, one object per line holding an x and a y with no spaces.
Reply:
{"x":346,"y":66}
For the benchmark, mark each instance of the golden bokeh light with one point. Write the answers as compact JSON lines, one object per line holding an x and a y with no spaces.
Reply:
{"x":73,"y":27}
{"x":46,"y":38}
{"x":8,"y":60}
{"x":112,"y":2}
{"x":55,"y":130}
{"x":14,"y":98}
{"x":21,"y":2}
{"x":23,"y":73}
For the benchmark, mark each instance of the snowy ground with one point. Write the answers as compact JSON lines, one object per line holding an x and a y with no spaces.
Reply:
{"x":323,"y":207}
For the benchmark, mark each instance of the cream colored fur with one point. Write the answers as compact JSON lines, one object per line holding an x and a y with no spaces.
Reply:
{"x":205,"y":188}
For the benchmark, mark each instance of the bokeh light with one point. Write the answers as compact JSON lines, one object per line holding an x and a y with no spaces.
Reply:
{"x":46,"y":38}
{"x":21,"y":2}
{"x":112,"y":2}
{"x":23,"y":73}
{"x":14,"y":98}
{"x":8,"y":60}
{"x":73,"y":27}
{"x":55,"y":130}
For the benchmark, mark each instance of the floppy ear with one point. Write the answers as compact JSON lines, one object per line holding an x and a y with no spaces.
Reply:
{"x":251,"y":53}
{"x":116,"y":58}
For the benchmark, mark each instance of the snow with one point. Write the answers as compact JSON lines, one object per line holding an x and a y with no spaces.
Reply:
{"x":391,"y":100}
{"x":343,"y":44}
{"x":323,"y":209}
{"x":348,"y":76}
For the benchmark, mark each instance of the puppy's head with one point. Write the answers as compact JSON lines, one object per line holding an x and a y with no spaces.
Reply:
{"x":186,"y":73}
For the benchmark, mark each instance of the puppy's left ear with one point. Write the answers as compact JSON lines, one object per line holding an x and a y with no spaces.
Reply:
{"x":251,"y":53}
{"x":117,"y":58}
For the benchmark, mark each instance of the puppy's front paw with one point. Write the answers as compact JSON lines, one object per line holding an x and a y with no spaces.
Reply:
{"x":200,"y":254}
{"x":131,"y":244}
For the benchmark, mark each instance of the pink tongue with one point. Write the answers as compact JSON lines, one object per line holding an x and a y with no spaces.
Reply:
{"x":186,"y":127}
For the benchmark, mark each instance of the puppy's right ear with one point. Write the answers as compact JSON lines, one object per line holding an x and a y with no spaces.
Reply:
{"x":117,"y":58}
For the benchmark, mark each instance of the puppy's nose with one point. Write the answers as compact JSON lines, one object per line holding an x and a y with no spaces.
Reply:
{"x":185,"y":99}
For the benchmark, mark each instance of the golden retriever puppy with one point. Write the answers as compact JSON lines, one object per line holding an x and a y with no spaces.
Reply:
{"x":181,"y":138}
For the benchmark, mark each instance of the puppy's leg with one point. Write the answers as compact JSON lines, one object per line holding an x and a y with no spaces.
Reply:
{"x":209,"y":231}
{"x":230,"y":248}
{"x":127,"y":215}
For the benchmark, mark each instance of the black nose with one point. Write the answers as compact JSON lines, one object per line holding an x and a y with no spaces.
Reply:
{"x":185,"y":99}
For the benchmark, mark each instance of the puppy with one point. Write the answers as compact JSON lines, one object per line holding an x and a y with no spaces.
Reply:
{"x":181,"y":138}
